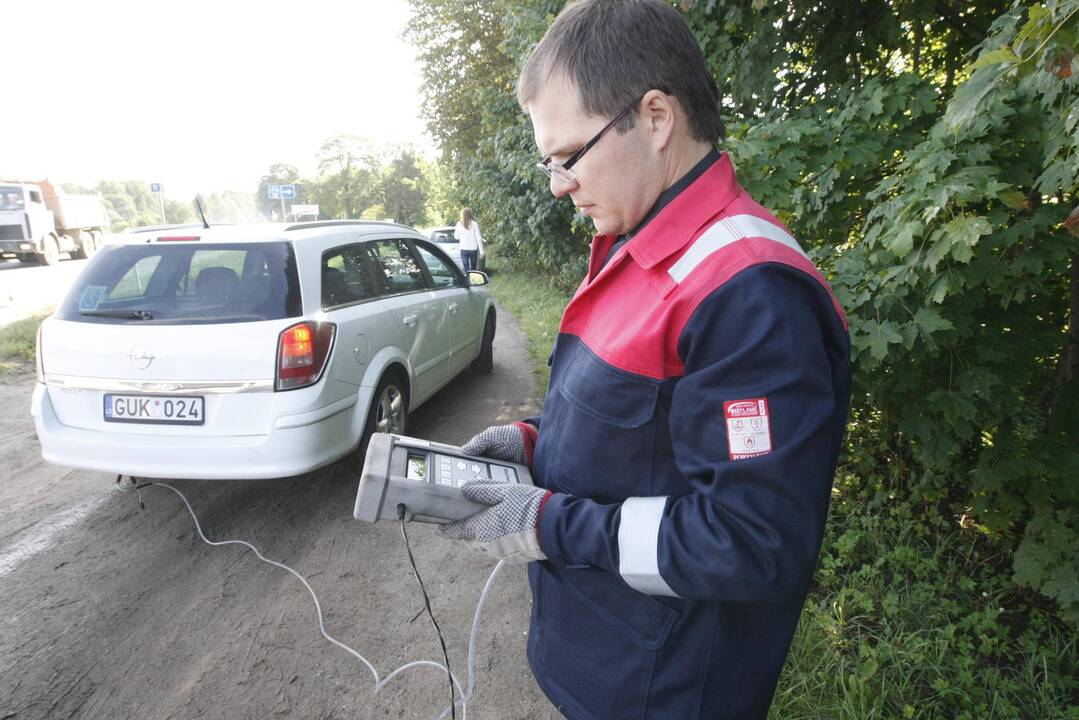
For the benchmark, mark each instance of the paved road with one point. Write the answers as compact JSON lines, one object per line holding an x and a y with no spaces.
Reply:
{"x":27,"y":288}
{"x":112,"y":611}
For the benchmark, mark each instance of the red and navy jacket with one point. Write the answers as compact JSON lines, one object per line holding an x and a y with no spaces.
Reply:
{"x":699,"y":390}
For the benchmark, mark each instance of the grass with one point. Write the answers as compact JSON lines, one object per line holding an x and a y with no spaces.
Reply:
{"x":911,"y":615}
{"x":18,"y":341}
{"x":537,"y":307}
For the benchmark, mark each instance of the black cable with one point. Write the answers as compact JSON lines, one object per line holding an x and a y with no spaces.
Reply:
{"x":427,"y":603}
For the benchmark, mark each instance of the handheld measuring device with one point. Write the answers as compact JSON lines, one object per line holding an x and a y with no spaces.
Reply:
{"x":426,"y":477}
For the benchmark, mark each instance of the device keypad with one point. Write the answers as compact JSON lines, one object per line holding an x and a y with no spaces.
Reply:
{"x":455,"y":471}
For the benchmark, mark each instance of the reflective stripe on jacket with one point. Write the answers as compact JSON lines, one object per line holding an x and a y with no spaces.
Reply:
{"x":698,"y":395}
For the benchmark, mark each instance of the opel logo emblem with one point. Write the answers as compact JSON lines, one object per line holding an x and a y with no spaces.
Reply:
{"x":140,"y":356}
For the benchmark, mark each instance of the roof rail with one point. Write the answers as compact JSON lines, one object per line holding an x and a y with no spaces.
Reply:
{"x":333,"y":223}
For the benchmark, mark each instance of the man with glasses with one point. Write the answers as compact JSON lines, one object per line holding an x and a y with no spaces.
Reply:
{"x":697,"y":402}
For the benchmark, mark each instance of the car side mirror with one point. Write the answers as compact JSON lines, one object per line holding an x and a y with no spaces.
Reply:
{"x":476,"y":277}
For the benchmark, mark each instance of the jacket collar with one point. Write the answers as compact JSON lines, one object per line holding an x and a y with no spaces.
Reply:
{"x":676,"y":224}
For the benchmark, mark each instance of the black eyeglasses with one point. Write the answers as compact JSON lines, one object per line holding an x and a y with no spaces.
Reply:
{"x":562,"y":170}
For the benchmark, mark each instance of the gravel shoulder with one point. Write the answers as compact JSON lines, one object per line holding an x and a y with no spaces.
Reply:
{"x":109,"y":610}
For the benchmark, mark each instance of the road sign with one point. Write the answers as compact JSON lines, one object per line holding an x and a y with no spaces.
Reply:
{"x":280,"y":192}
{"x":297,"y":210}
{"x":155,"y":187}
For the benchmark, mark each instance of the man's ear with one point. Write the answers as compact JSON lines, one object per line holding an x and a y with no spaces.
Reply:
{"x":659,"y":114}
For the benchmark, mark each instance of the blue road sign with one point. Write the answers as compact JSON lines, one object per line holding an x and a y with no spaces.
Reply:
{"x":155,"y":187}
{"x":279,"y":192}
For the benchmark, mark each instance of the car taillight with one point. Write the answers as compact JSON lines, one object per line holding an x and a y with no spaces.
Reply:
{"x":302,"y":351}
{"x":37,"y":355}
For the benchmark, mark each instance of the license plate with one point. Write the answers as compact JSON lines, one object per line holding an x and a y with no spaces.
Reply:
{"x":155,"y":409}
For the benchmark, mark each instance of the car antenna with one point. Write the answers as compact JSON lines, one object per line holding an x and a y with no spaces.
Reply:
{"x":198,"y":204}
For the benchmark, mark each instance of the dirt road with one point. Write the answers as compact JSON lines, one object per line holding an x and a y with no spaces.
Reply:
{"x":112,"y":611}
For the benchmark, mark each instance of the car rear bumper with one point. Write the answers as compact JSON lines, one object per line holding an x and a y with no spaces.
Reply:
{"x":296,"y":444}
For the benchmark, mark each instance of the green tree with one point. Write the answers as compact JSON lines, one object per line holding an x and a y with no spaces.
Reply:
{"x":348,"y":177}
{"x":129,"y":203}
{"x":231,"y":206}
{"x":177,"y":211}
{"x":442,"y":197}
{"x":278,"y":174}
{"x":403,"y":188}
{"x":925,"y":155}
{"x":471,"y":53}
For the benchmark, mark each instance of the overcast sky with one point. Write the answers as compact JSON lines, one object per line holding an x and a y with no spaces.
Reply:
{"x":199,"y":95}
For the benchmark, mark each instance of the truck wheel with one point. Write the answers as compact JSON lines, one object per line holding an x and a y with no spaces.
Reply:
{"x":51,"y":255}
{"x":91,"y":241}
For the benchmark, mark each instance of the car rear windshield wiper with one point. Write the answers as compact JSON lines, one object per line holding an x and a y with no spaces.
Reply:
{"x":125,"y":314}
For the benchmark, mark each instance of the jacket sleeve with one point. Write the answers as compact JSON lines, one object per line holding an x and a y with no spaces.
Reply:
{"x":749,"y":526}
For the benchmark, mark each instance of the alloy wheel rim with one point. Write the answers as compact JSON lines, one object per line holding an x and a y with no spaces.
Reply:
{"x":391,"y":409}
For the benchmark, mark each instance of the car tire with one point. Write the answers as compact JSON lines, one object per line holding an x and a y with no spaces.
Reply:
{"x":388,"y":413}
{"x":485,"y":361}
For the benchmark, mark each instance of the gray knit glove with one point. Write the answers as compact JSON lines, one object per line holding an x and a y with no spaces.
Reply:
{"x":507,"y":529}
{"x":512,"y":443}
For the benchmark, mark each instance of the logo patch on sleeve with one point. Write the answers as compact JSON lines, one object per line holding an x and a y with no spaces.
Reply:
{"x":749,"y":431}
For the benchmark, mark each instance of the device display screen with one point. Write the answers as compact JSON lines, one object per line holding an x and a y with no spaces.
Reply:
{"x":417,"y":467}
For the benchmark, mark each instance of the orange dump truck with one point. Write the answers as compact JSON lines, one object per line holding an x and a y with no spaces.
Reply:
{"x":38,"y":223}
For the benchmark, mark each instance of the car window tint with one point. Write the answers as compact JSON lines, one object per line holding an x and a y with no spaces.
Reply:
{"x":238,"y":282}
{"x":444,"y":274}
{"x":400,"y":270}
{"x":214,"y":273}
{"x":349,"y":275}
{"x":137,"y":278}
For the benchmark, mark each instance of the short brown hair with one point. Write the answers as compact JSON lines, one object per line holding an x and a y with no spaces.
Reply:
{"x":615,"y":51}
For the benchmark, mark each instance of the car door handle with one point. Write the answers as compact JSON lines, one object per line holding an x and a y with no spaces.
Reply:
{"x":453,"y":308}
{"x":410,"y":320}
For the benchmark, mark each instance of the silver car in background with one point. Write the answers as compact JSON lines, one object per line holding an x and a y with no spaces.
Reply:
{"x":252,"y":351}
{"x":446,"y":240}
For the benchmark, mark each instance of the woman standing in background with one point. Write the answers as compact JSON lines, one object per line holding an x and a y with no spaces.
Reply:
{"x":467,"y":233}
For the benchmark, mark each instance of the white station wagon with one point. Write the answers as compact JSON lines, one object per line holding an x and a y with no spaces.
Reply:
{"x":253,"y":351}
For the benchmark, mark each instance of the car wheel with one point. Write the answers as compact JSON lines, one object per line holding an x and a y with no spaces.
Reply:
{"x":485,"y":361}
{"x":388,"y":414}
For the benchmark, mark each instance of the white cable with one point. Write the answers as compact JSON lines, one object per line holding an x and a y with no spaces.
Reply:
{"x":379,"y":684}
{"x":472,"y":642}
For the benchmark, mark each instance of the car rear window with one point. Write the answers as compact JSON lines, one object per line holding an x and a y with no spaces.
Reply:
{"x":212,"y":283}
